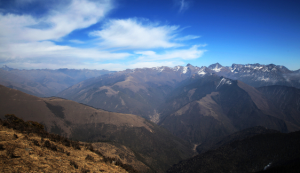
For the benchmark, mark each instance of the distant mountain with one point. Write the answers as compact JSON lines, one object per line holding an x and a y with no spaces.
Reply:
{"x":265,"y":152}
{"x":154,"y":146}
{"x":211,"y":107}
{"x":258,"y":75}
{"x":45,"y":82}
{"x":142,"y":91}
{"x":195,"y":104}
{"x":138,"y":91}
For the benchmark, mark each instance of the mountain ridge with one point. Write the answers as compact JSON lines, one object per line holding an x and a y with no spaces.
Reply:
{"x":153,"y":145}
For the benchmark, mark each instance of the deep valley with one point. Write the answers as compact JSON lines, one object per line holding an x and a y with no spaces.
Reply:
{"x":183,"y":119}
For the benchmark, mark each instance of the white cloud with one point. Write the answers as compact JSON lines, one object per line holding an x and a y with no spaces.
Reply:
{"x":39,"y":51}
{"x":25,"y":38}
{"x":28,"y":41}
{"x":183,"y":5}
{"x":76,"y":15}
{"x":185,"y":54}
{"x":188,"y":37}
{"x":76,"y":41}
{"x":132,"y":33}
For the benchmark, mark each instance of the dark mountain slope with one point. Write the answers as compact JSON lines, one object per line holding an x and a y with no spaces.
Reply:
{"x":154,"y":146}
{"x":252,"y":154}
{"x":237,"y":136}
{"x":286,"y":101}
{"x":210,"y":107}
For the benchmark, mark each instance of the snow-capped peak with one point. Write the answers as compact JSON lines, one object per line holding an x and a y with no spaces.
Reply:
{"x":202,"y":71}
{"x":184,"y":69}
{"x":160,"y":69}
{"x":224,"y":81}
{"x":215,"y":67}
{"x":176,"y":68}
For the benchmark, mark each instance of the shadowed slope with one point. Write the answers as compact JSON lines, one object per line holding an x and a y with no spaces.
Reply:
{"x":251,"y":154}
{"x":209,"y":108}
{"x":152,"y":145}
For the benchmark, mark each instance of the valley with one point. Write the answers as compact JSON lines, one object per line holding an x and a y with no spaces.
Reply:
{"x":153,"y":118}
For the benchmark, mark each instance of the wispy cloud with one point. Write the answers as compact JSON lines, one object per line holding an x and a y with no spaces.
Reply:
{"x":29,"y":41}
{"x":77,"y":41}
{"x":183,"y":5}
{"x":76,"y":15}
{"x":188,"y":37}
{"x":184,"y":54}
{"x":133,"y":33}
{"x":26,"y":38}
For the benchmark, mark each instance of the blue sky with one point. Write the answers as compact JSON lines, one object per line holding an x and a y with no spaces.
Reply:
{"x":121,"y":34}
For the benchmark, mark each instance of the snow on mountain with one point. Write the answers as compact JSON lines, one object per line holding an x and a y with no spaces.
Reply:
{"x":176,"y":68}
{"x":215,"y":67}
{"x":201,"y":72}
{"x":255,"y":75}
{"x":184,"y":70}
{"x":224,"y":81}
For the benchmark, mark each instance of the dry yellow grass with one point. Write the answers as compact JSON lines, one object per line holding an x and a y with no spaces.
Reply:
{"x":123,"y":153}
{"x":19,"y":153}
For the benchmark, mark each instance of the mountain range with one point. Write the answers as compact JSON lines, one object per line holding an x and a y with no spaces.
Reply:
{"x":152,"y":145}
{"x":197,"y":104}
{"x":44,"y":82}
{"x":163,"y":115}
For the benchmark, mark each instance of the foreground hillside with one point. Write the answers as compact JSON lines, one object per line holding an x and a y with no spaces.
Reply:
{"x":152,"y":145}
{"x":32,"y":150}
{"x":269,"y":151}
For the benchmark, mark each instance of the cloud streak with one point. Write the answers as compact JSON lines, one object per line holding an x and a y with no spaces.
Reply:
{"x":134,"y":34}
{"x":76,"y":15}
{"x":188,"y":37}
{"x":183,"y":5}
{"x":29,"y":41}
{"x":184,"y":54}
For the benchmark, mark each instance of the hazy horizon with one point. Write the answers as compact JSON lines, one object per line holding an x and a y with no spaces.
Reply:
{"x":125,"y":34}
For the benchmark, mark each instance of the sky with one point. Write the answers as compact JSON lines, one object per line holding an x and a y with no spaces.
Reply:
{"x":125,"y":34}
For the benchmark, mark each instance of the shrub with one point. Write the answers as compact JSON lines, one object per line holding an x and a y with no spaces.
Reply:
{"x":1,"y":147}
{"x":75,"y":145}
{"x":16,"y":123}
{"x":47,"y":144}
{"x":83,"y":170}
{"x":90,"y":158}
{"x":35,"y":142}
{"x":35,"y":125}
{"x":72,"y":163}
{"x":98,"y":152}
{"x":89,"y":147}
{"x":10,"y":149}
{"x":53,"y":147}
{"x":66,"y":142}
